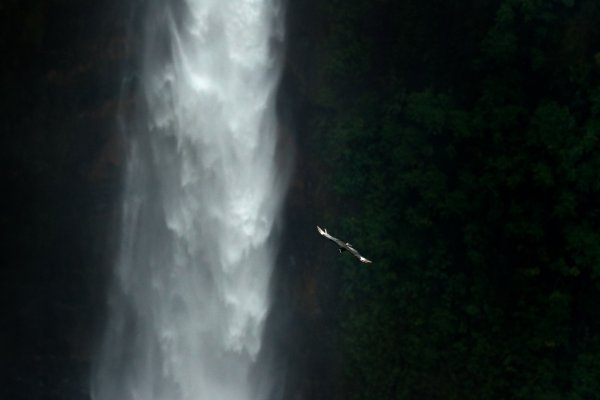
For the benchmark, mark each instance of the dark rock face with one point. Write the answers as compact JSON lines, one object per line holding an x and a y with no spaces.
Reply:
{"x":300,"y":330}
{"x":60,"y":167}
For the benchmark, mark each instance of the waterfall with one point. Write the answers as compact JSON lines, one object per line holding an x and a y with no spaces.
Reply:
{"x":202,"y":191}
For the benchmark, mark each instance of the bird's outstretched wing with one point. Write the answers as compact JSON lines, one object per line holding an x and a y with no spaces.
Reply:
{"x":343,"y":246}
{"x":356,"y":254}
{"x":333,"y":239}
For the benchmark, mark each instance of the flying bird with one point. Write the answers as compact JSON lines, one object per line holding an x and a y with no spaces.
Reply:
{"x":343,"y":246}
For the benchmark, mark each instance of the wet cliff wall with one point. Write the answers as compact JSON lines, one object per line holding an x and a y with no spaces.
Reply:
{"x":60,"y":164}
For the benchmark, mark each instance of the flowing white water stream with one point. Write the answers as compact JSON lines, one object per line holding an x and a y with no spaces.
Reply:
{"x":202,"y":191}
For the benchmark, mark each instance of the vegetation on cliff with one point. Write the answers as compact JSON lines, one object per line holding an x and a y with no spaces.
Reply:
{"x":464,"y":144}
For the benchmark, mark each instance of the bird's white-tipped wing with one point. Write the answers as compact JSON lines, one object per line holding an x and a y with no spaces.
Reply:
{"x":328,"y":236}
{"x":323,"y":231}
{"x":356,"y":254}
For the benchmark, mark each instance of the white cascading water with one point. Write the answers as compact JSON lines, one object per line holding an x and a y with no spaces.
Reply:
{"x":202,"y":191}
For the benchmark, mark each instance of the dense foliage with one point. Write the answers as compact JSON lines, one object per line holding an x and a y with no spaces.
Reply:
{"x":464,"y":145}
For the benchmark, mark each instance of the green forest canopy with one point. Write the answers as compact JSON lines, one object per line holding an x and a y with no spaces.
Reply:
{"x":464,"y":142}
